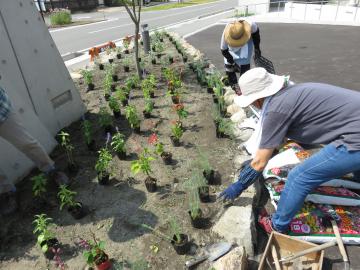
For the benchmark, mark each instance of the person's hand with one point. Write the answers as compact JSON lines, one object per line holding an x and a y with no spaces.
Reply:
{"x":232,"y":192}
{"x":257,"y":53}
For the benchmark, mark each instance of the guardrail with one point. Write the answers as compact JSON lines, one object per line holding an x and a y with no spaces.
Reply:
{"x":339,"y":11}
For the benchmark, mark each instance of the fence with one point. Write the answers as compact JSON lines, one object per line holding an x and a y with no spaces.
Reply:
{"x":339,"y":11}
{"x":73,"y":5}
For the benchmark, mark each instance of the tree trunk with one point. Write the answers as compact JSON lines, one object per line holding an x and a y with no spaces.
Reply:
{"x":136,"y":41}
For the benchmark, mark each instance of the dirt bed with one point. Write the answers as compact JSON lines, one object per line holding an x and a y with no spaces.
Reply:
{"x":117,"y":210}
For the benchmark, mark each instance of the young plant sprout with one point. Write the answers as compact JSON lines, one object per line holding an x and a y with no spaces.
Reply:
{"x":88,"y":77}
{"x":114,"y":104}
{"x":149,"y":106}
{"x":42,"y":225}
{"x":118,"y":143}
{"x":143,"y":163}
{"x":67,"y":197}
{"x":87,"y":131}
{"x":107,"y":83}
{"x":105,"y":119}
{"x":95,"y":252}
{"x":68,"y":147}
{"x":175,"y":229}
{"x":225,"y":127}
{"x":203,"y":162}
{"x":39,"y":185}
{"x":177,"y":131}
{"x":132,"y":116}
{"x":103,"y":164}
{"x":194,"y":204}
{"x":132,"y":81}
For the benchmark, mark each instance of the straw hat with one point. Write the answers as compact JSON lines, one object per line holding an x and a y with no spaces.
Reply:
{"x":257,"y":83}
{"x":237,"y":33}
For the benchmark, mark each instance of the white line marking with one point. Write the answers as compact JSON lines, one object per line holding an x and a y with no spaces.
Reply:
{"x":82,"y":25}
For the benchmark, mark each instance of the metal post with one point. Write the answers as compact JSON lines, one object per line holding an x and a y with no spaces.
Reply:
{"x":356,"y":10}
{"x":41,"y":11}
{"x":146,"y":38}
{"x":337,"y":10}
{"x":321,"y":4}
{"x":305,"y":11}
{"x":291,"y":9}
{"x":279,"y":8}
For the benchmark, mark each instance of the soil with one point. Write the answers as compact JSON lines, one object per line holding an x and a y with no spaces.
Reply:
{"x":116,"y":211}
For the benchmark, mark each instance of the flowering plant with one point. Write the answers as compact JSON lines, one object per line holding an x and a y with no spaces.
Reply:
{"x":159,"y":147}
{"x":180,"y":111}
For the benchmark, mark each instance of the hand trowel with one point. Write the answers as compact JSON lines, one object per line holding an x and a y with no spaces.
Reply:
{"x":212,"y":253}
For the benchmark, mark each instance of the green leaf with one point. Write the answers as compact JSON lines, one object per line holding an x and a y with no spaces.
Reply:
{"x":44,"y":248}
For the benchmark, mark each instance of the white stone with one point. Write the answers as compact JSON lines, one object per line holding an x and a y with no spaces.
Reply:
{"x":237,"y":226}
{"x":236,"y":259}
{"x":229,"y":91}
{"x":238,"y":117}
{"x":229,"y":99}
{"x":233,"y":108}
{"x":239,"y":160}
{"x":242,"y":134}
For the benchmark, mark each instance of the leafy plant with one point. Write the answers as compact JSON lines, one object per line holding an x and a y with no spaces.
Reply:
{"x":67,"y":197}
{"x":66,"y":144}
{"x":107,"y":82}
{"x":88,"y":76}
{"x":110,"y":69}
{"x":103,"y":164}
{"x":159,"y":47}
{"x":39,"y":185}
{"x":177,"y":131}
{"x":132,"y":116}
{"x":60,"y":17}
{"x":149,"y":106}
{"x":118,"y":143}
{"x":159,"y":147}
{"x":126,"y":61}
{"x":87,"y":130}
{"x":203,"y":161}
{"x":94,"y":251}
{"x":175,"y":229}
{"x":226,"y":127}
{"x":143,"y":163}
{"x":42,"y":224}
{"x":105,"y":118}
{"x":180,"y":111}
{"x":194,"y":203}
{"x":132,"y":81}
{"x":120,"y":94}
{"x":114,"y":104}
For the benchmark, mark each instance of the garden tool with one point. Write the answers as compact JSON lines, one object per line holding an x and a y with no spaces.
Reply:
{"x":340,"y":245}
{"x":275,"y":258}
{"x":212,"y":253}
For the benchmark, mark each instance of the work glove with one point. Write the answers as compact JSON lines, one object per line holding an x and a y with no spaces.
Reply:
{"x":257,"y":53}
{"x":247,"y":176}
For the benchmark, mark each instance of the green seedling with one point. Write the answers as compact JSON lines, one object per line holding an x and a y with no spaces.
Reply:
{"x":105,"y":118}
{"x":177,"y":131}
{"x":67,"y":197}
{"x":118,"y":143}
{"x":143,"y":163}
{"x":42,"y":224}
{"x":88,"y":76}
{"x":66,"y":144}
{"x":39,"y":185}
{"x":103,"y":164}
{"x":87,"y":131}
{"x":132,"y":116}
{"x":114,"y":104}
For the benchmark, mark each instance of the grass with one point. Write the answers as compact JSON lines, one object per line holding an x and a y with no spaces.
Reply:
{"x":177,"y":5}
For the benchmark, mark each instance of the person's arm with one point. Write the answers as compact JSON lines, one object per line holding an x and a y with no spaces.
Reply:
{"x":255,"y":35}
{"x":261,"y":159}
{"x":225,"y":50}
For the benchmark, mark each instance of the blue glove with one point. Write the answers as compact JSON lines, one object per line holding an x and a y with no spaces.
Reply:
{"x":248,"y":176}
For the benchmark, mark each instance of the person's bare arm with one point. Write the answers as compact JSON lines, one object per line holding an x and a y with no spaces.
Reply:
{"x":261,"y":159}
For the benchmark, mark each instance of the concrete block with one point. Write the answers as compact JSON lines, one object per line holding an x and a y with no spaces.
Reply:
{"x":236,"y":259}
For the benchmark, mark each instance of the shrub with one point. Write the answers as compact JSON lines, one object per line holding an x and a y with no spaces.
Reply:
{"x":60,"y":17}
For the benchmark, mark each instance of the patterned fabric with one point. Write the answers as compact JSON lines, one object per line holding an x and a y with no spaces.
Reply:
{"x":5,"y":106}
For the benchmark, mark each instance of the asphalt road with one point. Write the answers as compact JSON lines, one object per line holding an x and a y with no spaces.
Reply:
{"x":119,"y":24}
{"x":308,"y":52}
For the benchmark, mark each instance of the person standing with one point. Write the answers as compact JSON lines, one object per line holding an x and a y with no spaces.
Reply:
{"x":309,"y":113}
{"x":12,"y":130}
{"x":237,"y":44}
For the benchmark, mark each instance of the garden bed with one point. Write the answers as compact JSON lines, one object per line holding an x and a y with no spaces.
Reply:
{"x":117,"y":211}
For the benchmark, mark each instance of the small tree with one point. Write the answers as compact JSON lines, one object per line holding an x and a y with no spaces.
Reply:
{"x":133,"y":8}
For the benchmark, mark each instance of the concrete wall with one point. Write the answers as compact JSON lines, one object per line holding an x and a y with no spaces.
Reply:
{"x":253,"y":6}
{"x":36,"y":79}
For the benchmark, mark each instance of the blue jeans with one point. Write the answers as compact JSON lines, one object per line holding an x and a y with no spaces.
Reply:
{"x":327,"y":164}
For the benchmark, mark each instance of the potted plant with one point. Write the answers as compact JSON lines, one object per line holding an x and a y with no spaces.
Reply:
{"x":153,"y":58}
{"x":88,"y":79}
{"x":126,"y":43}
{"x":39,"y":186}
{"x":45,"y":237}
{"x":195,"y":213}
{"x":105,"y":120}
{"x":115,"y":106}
{"x":132,"y":81}
{"x":143,"y":165}
{"x":133,"y":118}
{"x":110,"y":71}
{"x":126,"y":63}
{"x":224,"y":128}
{"x":88,"y":135}
{"x":181,"y":112}
{"x":98,"y":63}
{"x":68,"y":147}
{"x":67,"y":198}
{"x":206,"y":168}
{"x":103,"y":166}
{"x":159,"y":48}
{"x":171,"y":59}
{"x":159,"y":149}
{"x":177,"y":133}
{"x":149,"y":107}
{"x":118,"y":145}
{"x":107,"y":85}
{"x":94,"y":253}
{"x":118,"y":52}
{"x":121,"y":95}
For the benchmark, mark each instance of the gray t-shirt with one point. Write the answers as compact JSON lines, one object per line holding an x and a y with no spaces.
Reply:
{"x":313,"y":113}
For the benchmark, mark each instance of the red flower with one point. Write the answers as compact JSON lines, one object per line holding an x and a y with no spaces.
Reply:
{"x":178,"y":107}
{"x":153,"y":139}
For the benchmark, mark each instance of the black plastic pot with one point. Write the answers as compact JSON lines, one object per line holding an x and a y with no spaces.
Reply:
{"x":121,"y":155}
{"x":90,"y":87}
{"x":171,"y":60}
{"x":51,"y":243}
{"x":215,"y":99}
{"x":204,"y":194}
{"x":150,"y":184}
{"x":199,"y":222}
{"x":175,"y":142}
{"x":73,"y":168}
{"x":111,"y":60}
{"x":220,"y":134}
{"x":126,"y":68}
{"x":108,"y":129}
{"x":124,"y":102}
{"x":183,"y":246}
{"x":115,"y":77}
{"x":175,"y":99}
{"x":153,"y":61}
{"x":170,"y":38}
{"x":158,"y":55}
{"x":210,"y":177}
{"x":118,"y":56}
{"x":167,"y":158}
{"x":92,"y":145}
{"x":77,"y":211}
{"x":139,"y":58}
{"x":103,"y":179}
{"x":146,"y":114}
{"x":107,"y":96}
{"x":185,"y":59}
{"x":101,"y":66}
{"x":210,"y":90}
{"x":126,"y":51}
{"x":117,"y":115}
{"x":113,"y":87}
{"x":161,"y":39}
{"x":137,"y":130}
